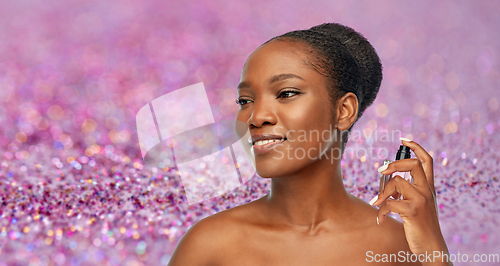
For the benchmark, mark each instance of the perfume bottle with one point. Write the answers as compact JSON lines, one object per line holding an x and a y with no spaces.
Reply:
{"x":404,"y":152}
{"x":384,"y":179}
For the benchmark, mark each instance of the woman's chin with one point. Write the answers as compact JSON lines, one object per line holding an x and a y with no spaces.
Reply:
{"x":266,"y":170}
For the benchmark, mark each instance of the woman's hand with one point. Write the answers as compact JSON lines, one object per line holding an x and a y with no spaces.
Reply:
{"x":418,"y":208}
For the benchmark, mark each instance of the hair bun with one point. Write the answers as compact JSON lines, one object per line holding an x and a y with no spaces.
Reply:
{"x":365,"y":55}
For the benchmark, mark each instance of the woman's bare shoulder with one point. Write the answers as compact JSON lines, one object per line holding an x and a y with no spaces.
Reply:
{"x":226,"y":220}
{"x":204,"y":241}
{"x":194,"y":248}
{"x":389,"y":235}
{"x":393,"y":232}
{"x":385,"y":239}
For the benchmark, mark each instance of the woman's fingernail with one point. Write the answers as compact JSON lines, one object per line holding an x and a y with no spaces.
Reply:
{"x":373,"y":200}
{"x":405,"y":139}
{"x":377,"y":220}
{"x":382,"y":168}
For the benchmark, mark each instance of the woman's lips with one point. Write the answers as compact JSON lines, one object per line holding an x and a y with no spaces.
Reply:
{"x":260,"y":149}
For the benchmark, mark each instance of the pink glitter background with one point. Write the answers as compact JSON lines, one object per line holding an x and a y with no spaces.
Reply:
{"x":74,"y":189}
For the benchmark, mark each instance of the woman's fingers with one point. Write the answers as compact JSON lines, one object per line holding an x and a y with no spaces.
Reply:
{"x":425,"y":159}
{"x":414,"y":166}
{"x":396,"y":206}
{"x":397,"y":186}
{"x":412,"y":199}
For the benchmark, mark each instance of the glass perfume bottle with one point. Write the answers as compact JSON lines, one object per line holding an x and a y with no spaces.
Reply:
{"x":404,"y":152}
{"x":384,"y":179}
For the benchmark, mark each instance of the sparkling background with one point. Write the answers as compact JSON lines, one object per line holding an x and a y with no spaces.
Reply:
{"x":73,"y":74}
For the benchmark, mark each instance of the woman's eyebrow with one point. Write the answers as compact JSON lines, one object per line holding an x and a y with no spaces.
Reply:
{"x":275,"y":78}
{"x":281,"y":77}
{"x":243,"y":85}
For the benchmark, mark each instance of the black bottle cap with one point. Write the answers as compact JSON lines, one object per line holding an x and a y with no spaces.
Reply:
{"x":404,"y":152}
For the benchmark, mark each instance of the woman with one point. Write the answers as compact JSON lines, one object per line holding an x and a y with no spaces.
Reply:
{"x":313,"y":81}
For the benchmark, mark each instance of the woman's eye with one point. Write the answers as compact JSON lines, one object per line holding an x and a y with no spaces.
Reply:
{"x":287,"y":94}
{"x":241,"y":101}
{"x":284,"y":94}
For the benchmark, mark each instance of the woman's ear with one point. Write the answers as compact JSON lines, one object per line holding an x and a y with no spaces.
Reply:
{"x":347,"y":111}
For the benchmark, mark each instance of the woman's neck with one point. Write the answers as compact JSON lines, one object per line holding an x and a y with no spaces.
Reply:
{"x":308,"y":199}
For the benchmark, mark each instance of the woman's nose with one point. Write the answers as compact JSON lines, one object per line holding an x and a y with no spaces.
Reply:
{"x":263,"y":112}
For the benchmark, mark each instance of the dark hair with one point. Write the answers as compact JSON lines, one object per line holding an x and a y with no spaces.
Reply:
{"x":347,"y":60}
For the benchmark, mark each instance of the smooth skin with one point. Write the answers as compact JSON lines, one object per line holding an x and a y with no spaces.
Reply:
{"x":308,"y":218}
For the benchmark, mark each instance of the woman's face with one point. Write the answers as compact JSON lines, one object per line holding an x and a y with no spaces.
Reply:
{"x":280,"y":94}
